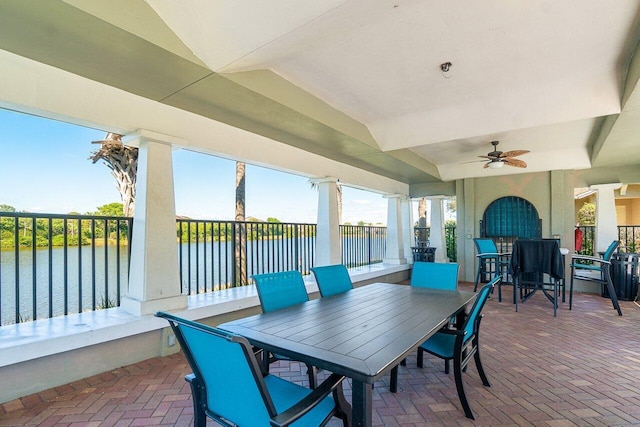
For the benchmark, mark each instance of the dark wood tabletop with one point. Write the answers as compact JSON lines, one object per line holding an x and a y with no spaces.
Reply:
{"x":362,"y":333}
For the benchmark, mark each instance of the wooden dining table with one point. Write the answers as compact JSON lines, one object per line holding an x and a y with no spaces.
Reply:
{"x":362,"y":333}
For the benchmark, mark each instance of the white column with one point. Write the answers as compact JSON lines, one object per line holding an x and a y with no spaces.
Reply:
{"x":328,"y":232}
{"x":606,"y":224}
{"x":154,"y":282}
{"x":407,"y":228}
{"x":394,"y":253}
{"x":437,"y":237}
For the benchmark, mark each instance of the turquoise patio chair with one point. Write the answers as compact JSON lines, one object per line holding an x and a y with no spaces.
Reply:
{"x":599,"y":271}
{"x":332,"y":279}
{"x":228,"y":386}
{"x":490,"y":263}
{"x":435,"y":275}
{"x":460,"y":345}
{"x":278,"y":291}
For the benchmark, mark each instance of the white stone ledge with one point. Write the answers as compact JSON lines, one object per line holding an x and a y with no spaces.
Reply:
{"x":31,"y":340}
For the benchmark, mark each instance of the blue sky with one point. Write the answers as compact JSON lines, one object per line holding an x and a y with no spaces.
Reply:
{"x":44,"y":167}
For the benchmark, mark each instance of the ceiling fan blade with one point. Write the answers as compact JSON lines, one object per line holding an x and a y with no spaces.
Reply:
{"x":486,"y":165}
{"x":515,"y":162}
{"x":473,"y":161}
{"x":487,"y":157}
{"x":513,"y":153}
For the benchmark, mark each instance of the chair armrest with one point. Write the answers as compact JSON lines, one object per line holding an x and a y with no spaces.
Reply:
{"x":309,"y":402}
{"x":589,"y":258}
{"x":493,"y":254}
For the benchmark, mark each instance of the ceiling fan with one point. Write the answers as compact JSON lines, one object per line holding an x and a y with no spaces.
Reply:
{"x":498,"y":158}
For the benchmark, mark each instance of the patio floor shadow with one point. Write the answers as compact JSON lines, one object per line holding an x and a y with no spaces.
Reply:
{"x":581,"y":368}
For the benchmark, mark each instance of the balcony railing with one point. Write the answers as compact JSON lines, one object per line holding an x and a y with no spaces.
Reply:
{"x":422,"y":234}
{"x":53,"y":265}
{"x":362,"y":244}
{"x":217,"y":255}
{"x":77,"y":263}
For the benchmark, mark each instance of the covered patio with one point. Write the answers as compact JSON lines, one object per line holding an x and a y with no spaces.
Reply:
{"x":401,"y":98}
{"x":578,"y":369}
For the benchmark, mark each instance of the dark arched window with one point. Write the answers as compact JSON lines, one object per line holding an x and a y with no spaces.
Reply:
{"x":511,"y":216}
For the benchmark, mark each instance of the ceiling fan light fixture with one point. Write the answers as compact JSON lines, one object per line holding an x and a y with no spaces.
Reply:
{"x":496,"y":165}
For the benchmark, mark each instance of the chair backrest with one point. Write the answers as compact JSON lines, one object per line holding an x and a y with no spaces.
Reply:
{"x":484,"y":246}
{"x":332,"y":279}
{"x":225,"y":366}
{"x":435,"y":275}
{"x":280,"y":290}
{"x":472,"y":322}
{"x":610,"y":250}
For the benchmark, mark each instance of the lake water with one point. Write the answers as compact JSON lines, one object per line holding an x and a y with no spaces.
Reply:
{"x":94,"y":276}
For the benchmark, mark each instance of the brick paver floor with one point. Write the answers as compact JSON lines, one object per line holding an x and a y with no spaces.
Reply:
{"x":581,"y":368}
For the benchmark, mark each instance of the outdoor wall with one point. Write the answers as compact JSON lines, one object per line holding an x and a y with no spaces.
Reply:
{"x":34,"y":375}
{"x":475,"y":195}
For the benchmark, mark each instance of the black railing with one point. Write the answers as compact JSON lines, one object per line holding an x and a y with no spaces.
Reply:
{"x":422,"y":234}
{"x":629,"y":236}
{"x":52,"y":265}
{"x":362,"y":244}
{"x":216,"y":255}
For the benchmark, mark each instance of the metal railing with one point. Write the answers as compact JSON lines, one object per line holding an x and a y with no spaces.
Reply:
{"x":216,"y":255}
{"x":362,"y":244}
{"x":422,"y":234}
{"x":52,"y":265}
{"x":629,"y":236}
{"x":76,"y":263}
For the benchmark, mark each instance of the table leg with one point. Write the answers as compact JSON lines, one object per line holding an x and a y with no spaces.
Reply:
{"x":361,"y":403}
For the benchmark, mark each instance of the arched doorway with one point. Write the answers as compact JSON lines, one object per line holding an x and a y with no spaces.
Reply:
{"x":510,"y":218}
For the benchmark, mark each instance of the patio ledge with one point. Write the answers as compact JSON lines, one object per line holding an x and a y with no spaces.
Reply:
{"x":32,"y":340}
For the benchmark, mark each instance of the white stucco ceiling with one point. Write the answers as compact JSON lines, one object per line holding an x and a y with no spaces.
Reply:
{"x":532,"y":74}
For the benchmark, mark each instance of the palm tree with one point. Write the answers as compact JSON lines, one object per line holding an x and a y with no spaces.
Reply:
{"x":123,"y":162}
{"x":241,"y":229}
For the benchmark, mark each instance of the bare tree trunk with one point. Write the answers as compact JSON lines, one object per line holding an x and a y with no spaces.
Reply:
{"x":339,"y":196}
{"x":123,"y":162}
{"x":240,"y":243}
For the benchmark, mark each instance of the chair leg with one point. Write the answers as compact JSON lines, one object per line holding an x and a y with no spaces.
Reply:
{"x":457,"y":371}
{"x":343,"y":408}
{"x":393,"y":386}
{"x":199,"y":417}
{"x":612,"y":292}
{"x":483,"y":375}
{"x":312,"y":372}
{"x":446,"y":366}
{"x":475,"y":286}
{"x":420,"y":357}
{"x":265,"y":362}
{"x":571,"y":287}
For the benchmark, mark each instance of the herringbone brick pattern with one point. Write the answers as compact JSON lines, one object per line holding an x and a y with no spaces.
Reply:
{"x":581,"y":368}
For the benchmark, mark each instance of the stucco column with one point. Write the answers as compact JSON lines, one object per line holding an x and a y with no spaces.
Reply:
{"x":437,"y":237}
{"x":407,"y":228}
{"x":328,"y":232}
{"x":606,"y":224}
{"x":394,"y":253}
{"x":154,"y":282}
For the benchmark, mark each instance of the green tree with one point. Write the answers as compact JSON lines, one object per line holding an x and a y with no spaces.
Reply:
{"x":7,"y":208}
{"x":111,"y":209}
{"x":587,"y":214}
